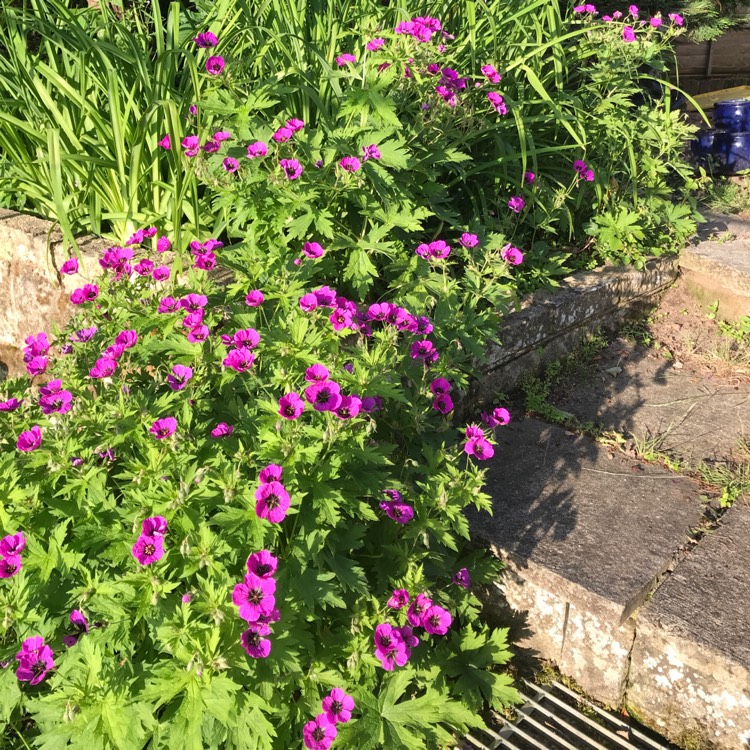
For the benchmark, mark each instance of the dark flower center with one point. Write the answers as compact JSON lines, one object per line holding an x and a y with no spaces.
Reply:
{"x":385,"y":641}
{"x":11,"y":568}
{"x":262,"y":569}
{"x":323,"y":396}
{"x":272,"y":501}
{"x":319,"y":734}
{"x":289,"y":410}
{"x":344,"y":412}
{"x":253,"y":639}
{"x":434,"y":621}
{"x":39,"y":667}
{"x":337,"y":707}
{"x":255,"y":596}
{"x":397,"y":512}
{"x":479,"y":449}
{"x":149,"y":550}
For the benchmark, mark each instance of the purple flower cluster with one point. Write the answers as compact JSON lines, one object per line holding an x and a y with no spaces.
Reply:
{"x":140,"y":235}
{"x":583,"y":171}
{"x":439,"y":249}
{"x":511,"y":255}
{"x":149,"y":546}
{"x":86,"y":293}
{"x":34,"y":354}
{"x":11,"y":547}
{"x":498,"y":417}
{"x":395,"y":508}
{"x":205,"y":258}
{"x":421,"y":28}
{"x":477,"y":444}
{"x":35,"y":659}
{"x":255,"y":598}
{"x":53,"y":399}
{"x":441,"y":389}
{"x":320,"y":733}
{"x":497,"y":102}
{"x":271,"y":498}
{"x":29,"y":440}
{"x":393,"y":644}
{"x":628,"y":32}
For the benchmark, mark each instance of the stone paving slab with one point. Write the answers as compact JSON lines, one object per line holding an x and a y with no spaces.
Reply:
{"x":587,"y":534}
{"x":690,"y":670}
{"x":644,"y":395}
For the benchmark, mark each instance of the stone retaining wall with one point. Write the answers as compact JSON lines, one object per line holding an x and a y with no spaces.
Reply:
{"x":33,"y":295}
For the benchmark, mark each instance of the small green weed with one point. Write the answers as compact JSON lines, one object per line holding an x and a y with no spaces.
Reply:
{"x":739,"y":331}
{"x":728,"y":197}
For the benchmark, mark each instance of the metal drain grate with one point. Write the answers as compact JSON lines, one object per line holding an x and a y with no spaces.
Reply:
{"x":551,"y":719}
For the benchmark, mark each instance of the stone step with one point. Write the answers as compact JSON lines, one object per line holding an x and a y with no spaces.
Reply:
{"x":690,"y":665}
{"x":718,"y":269}
{"x":587,"y":535}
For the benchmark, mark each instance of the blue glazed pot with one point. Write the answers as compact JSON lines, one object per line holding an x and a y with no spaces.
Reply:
{"x":702,"y":144}
{"x":732,"y":115}
{"x":731,"y":151}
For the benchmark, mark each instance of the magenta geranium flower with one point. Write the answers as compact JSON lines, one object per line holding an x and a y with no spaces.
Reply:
{"x":529,"y":177}
{"x":36,"y":346}
{"x":148,"y":549}
{"x":676,"y":19}
{"x":194,"y":302}
{"x":262,"y":564}
{"x":375,"y":44}
{"x":165,"y":142}
{"x":422,"y":349}
{"x":436,"y":620}
{"x":628,"y":34}
{"x":308,"y":302}
{"x":163,"y":244}
{"x":345,"y":58}
{"x":247,"y":337}
{"x":10,"y":404}
{"x":161,"y":273}
{"x":295,"y":125}
{"x":480,"y":448}
{"x":70,"y":267}
{"x":312,"y":250}
{"x":283,"y":134}
{"x":168,"y":305}
{"x":214,"y":65}
{"x":291,"y":405}
{"x":462,"y":578}
{"x":144,"y":267}
{"x":198,"y":334}
{"x":417,"y":608}
{"x":154,"y":526}
{"x":496,"y":418}
{"x":60,"y":402}
{"x":292,"y":168}
{"x":443,"y":403}
{"x":257,"y":150}
{"x":254,"y":298}
{"x":396,"y":511}
{"x":474,"y":431}
{"x":468,"y":240}
{"x":350,"y":164}
{"x":230,"y":164}
{"x":371,"y":152}
{"x":338,"y":706}
{"x":319,"y":733}
{"x":579,"y":166}
{"x":325,"y":396}
{"x":163,"y":428}
{"x":103,"y":367}
{"x":37,"y":366}
{"x":271,"y":473}
{"x":10,"y":566}
{"x":390,"y":647}
{"x":254,"y":596}
{"x":516,"y":204}
{"x":253,"y":640}
{"x":81,"y":625}
{"x":30,"y":440}
{"x":13,"y":544}
{"x":399,"y":599}
{"x":588,"y":175}
{"x":240,"y":359}
{"x":497,"y":102}
{"x":205,"y":39}
{"x":490,"y":73}
{"x":35,"y":659}
{"x":512,"y":255}
{"x":272,"y":502}
{"x":317,"y":373}
{"x":222,"y":430}
{"x":84,"y":335}
{"x":349,"y":407}
{"x":115,"y":351}
{"x":127,"y":339}
{"x":440,"y":386}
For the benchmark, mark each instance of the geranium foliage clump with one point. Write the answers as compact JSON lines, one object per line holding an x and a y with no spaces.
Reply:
{"x":233,"y":515}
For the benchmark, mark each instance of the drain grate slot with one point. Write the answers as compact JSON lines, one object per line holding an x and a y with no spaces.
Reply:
{"x":552,"y":718}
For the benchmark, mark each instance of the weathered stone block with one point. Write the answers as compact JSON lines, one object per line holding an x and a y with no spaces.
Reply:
{"x":690,"y":672}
